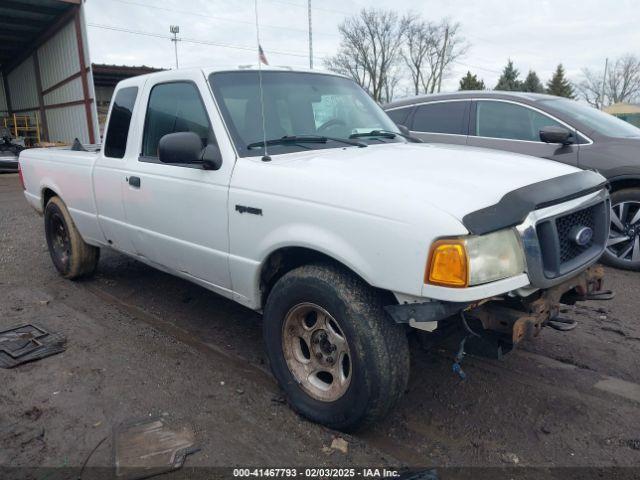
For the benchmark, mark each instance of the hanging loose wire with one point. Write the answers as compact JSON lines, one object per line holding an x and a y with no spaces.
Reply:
{"x":266,"y":157}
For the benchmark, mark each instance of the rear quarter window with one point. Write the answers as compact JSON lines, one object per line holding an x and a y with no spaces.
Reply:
{"x":115,"y":144}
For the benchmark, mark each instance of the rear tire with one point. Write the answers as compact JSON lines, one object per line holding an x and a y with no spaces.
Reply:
{"x":625,"y":206}
{"x":71,"y":256}
{"x":335,"y":314}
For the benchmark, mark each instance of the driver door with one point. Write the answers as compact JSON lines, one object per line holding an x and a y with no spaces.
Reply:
{"x":177,"y":213}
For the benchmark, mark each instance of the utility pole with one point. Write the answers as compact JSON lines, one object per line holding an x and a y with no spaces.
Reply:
{"x":310,"y":37}
{"x":604,"y":82}
{"x":175,"y":29}
{"x":444,"y":53}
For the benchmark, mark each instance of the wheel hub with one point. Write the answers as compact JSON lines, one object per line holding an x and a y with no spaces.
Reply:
{"x":316,"y":352}
{"x":321,"y":347}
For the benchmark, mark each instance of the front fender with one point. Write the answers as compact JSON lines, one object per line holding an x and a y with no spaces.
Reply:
{"x":322,"y":240}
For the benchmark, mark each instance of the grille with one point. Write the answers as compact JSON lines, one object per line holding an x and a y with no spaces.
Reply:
{"x":582,"y":218}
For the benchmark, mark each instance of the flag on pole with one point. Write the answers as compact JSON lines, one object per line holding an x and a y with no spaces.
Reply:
{"x":262,"y":56}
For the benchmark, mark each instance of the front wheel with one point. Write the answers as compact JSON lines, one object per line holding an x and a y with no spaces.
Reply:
{"x":340,"y":360}
{"x":623,"y":245}
{"x":71,"y":256}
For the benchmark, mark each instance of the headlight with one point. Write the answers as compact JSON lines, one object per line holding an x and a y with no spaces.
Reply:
{"x":475,"y":260}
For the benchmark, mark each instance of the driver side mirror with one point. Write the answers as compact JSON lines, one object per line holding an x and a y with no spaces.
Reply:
{"x":186,"y":148}
{"x":554,"y":134}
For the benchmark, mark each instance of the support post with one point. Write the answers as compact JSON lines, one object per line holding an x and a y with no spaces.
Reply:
{"x":41,"y":110}
{"x":83,"y":76}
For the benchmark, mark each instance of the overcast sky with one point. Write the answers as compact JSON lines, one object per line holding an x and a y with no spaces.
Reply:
{"x":534,"y":34}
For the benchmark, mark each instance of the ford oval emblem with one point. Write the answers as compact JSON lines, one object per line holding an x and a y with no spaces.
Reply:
{"x":581,"y":235}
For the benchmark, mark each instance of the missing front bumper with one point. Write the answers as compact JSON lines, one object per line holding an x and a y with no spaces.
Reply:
{"x":524,"y":318}
{"x":511,"y":318}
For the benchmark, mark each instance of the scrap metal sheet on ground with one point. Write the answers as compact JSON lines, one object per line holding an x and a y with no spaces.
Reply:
{"x":149,"y":447}
{"x":25,"y":343}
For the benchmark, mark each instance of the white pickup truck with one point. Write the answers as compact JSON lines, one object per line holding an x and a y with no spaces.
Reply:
{"x":292,"y":193}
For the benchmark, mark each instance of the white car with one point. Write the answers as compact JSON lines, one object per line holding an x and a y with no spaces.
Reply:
{"x":293,"y":193}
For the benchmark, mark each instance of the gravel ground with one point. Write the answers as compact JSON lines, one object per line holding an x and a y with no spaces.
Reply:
{"x":143,"y":343}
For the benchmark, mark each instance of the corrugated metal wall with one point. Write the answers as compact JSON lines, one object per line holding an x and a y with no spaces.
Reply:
{"x":67,"y":123}
{"x":59,"y":60}
{"x":58,"y":57}
{"x":22,"y":85}
{"x":63,"y":93}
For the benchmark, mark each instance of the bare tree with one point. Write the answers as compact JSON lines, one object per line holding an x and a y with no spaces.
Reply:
{"x":348,"y":62}
{"x":429,"y":51}
{"x":420,"y":39}
{"x":451,"y":46}
{"x":622,"y":83}
{"x":394,"y":76}
{"x":624,"y":80}
{"x":591,"y":89}
{"x":370,"y":49}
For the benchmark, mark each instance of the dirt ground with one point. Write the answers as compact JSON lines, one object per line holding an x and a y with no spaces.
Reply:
{"x":143,"y":343}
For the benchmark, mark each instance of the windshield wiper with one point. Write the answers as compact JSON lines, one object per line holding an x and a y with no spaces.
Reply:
{"x":386,"y":134}
{"x":291,"y":139}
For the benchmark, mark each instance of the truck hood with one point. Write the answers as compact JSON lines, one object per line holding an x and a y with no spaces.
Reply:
{"x":390,"y":179}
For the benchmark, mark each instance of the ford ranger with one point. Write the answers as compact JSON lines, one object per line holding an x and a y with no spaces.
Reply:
{"x":293,"y":193}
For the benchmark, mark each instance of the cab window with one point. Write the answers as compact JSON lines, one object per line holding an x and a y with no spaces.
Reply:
{"x":174,"y":107}
{"x":118,"y":129}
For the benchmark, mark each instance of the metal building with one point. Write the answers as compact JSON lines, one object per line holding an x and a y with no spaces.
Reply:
{"x":47,"y":91}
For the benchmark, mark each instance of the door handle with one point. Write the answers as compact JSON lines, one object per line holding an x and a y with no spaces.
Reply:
{"x":134,"y":181}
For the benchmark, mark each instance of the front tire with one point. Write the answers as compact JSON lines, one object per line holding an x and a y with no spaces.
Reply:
{"x":339,"y":358}
{"x":71,"y":256}
{"x":623,"y":246}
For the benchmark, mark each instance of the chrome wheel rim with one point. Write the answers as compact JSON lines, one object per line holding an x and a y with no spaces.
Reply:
{"x":624,"y":237}
{"x":317,"y":352}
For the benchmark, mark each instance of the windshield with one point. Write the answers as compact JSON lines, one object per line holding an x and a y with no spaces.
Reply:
{"x":601,"y":122}
{"x":297,"y":105}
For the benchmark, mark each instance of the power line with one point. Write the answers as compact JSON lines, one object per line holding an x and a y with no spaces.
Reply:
{"x":476,"y":67}
{"x":196,"y":40}
{"x":214,"y":17}
{"x":320,"y":9}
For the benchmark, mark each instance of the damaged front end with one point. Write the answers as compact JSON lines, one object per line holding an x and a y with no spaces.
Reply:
{"x":501,"y":323}
{"x":523,"y":318}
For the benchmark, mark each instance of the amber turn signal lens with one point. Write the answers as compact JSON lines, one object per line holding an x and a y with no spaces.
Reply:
{"x":448,"y":264}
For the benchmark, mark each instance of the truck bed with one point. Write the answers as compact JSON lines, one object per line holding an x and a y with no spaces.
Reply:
{"x":66,"y":172}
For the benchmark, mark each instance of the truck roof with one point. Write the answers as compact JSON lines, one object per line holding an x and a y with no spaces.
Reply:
{"x":171,"y":74}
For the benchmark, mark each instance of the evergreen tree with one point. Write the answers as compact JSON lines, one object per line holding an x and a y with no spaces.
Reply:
{"x":532,"y":83}
{"x":559,"y":85}
{"x":471,"y":82}
{"x":509,"y":79}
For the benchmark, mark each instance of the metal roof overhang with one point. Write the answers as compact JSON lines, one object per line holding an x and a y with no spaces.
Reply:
{"x":24,"y":24}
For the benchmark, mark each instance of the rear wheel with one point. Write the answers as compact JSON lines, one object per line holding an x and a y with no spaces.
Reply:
{"x":340,"y":360}
{"x":71,"y":256}
{"x":623,"y":246}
